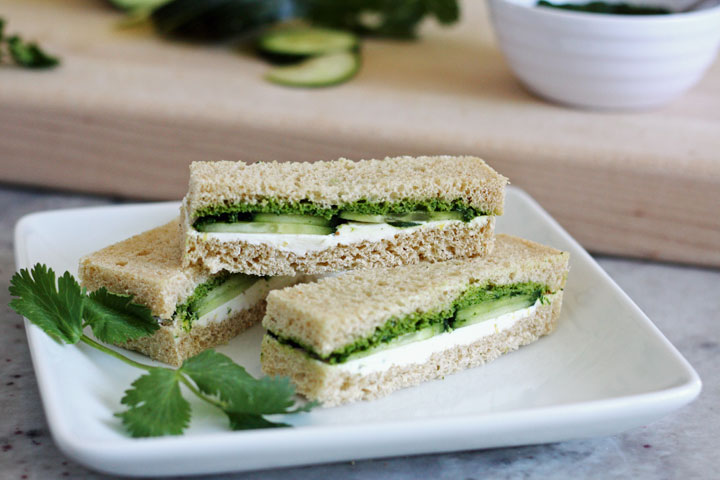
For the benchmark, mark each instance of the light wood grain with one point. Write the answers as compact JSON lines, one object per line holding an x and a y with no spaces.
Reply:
{"x":126,"y":112}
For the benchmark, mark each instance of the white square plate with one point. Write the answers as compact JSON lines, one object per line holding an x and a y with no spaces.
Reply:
{"x":607,"y":368}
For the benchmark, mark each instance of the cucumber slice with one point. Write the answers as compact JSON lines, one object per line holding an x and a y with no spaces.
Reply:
{"x":403,"y":224}
{"x":299,"y":43}
{"x":322,"y":71}
{"x":299,"y":219}
{"x":402,"y":217}
{"x":418,"y":336}
{"x":489,"y":310}
{"x":265,"y":227}
{"x":223,"y":293}
{"x":425,"y":216}
{"x":361,"y":217}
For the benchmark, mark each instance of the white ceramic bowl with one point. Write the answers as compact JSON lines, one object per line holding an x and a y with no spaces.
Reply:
{"x":604,"y":61}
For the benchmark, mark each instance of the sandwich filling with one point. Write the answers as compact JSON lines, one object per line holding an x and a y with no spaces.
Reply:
{"x":421,"y":351}
{"x":466,"y":317}
{"x":345,"y":234}
{"x":275,"y":216}
{"x":223,"y":295}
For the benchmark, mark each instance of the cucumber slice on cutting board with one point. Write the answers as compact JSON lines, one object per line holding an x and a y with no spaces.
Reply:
{"x":320,"y":71}
{"x":294,"y":44}
{"x":265,"y":227}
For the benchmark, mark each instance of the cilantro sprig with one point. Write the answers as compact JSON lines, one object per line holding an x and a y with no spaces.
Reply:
{"x":22,"y":53}
{"x":155,"y":402}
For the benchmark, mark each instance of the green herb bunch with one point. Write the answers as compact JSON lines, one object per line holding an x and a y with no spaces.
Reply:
{"x":22,"y":53}
{"x":222,"y":19}
{"x":155,"y":402}
{"x":382,"y":18}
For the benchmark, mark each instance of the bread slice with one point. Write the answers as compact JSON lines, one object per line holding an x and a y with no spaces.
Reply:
{"x":309,"y":323}
{"x":466,"y":183}
{"x":336,"y":182}
{"x":149,"y":267}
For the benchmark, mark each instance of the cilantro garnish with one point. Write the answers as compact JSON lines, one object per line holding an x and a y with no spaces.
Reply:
{"x":157,"y":406}
{"x":56,"y":308}
{"x":155,"y":402}
{"x":24,"y":54}
{"x":115,"y":319}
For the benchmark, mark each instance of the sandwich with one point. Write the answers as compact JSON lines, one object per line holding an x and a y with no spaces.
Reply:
{"x":195,"y":310}
{"x":367,"y":333}
{"x":311,"y":218}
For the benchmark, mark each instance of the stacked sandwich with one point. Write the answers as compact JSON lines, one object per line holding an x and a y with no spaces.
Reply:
{"x":429,"y":289}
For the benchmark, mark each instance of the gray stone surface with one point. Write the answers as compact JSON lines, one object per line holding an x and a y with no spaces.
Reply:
{"x":684,"y":302}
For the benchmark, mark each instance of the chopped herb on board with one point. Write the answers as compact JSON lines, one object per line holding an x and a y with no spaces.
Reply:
{"x":15,"y":50}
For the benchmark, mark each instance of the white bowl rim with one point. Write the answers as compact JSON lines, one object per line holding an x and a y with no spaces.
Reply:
{"x":614,"y":17}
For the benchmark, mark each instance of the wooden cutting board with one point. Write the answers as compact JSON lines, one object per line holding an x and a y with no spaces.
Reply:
{"x":126,"y":112}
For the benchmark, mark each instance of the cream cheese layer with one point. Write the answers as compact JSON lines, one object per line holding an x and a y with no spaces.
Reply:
{"x":421,"y":351}
{"x":346,"y":234}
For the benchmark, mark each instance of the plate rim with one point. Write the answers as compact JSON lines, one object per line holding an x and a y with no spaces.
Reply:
{"x":99,"y":455}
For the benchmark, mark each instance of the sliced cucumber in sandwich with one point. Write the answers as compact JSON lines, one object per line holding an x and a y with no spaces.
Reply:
{"x":299,"y":219}
{"x":401,"y":224}
{"x":363,"y":218}
{"x":404,"y":217}
{"x":411,"y":337}
{"x":427,"y":216}
{"x":223,"y":293}
{"x":265,"y":227}
{"x":321,"y":71}
{"x":295,"y":44}
{"x":491,"y":309}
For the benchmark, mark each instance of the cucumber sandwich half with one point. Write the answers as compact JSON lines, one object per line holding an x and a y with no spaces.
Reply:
{"x":365,"y":334}
{"x":196,"y":310}
{"x":289,"y":218}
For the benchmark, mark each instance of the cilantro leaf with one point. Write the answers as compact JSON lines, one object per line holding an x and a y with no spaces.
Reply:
{"x":156,"y":405}
{"x":29,"y":54}
{"x":216,"y":374}
{"x":56,"y":308}
{"x":115,"y":319}
{"x":268,"y":395}
{"x":250,"y":421}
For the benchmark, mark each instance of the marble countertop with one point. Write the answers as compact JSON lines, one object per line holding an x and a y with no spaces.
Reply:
{"x":684,"y":302}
